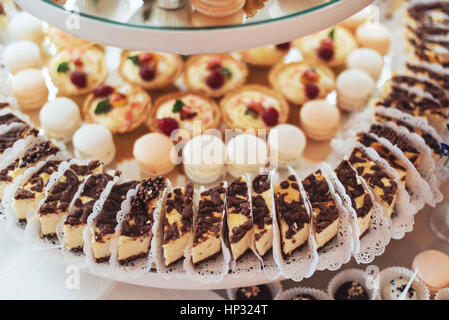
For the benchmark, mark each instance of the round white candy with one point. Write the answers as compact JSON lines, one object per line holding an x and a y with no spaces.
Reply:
{"x":368,"y":60}
{"x":286,"y":143}
{"x":23,"y":26}
{"x":21,"y":55}
{"x":354,"y":89}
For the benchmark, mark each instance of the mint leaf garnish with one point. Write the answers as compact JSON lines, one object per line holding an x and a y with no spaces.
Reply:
{"x":177,"y":107}
{"x":226,"y":72}
{"x":63,"y":67}
{"x":134,"y":60}
{"x":103,"y":106}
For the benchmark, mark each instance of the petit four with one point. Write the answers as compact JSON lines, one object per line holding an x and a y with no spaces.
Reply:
{"x":214,"y":75}
{"x":94,"y":142}
{"x":24,"y":26}
{"x":254,"y":107}
{"x":246,"y":154}
{"x":286,"y":143}
{"x":433,"y":268}
{"x":221,"y":8}
{"x":208,"y":224}
{"x":203,"y":158}
{"x":325,"y":215}
{"x":260,"y":292}
{"x":76,"y":220}
{"x":375,"y":36}
{"x":368,"y":60}
{"x":394,"y":289}
{"x":319,"y":120}
{"x":153,"y":153}
{"x":292,"y":215}
{"x":178,"y":223}
{"x":184,"y":110}
{"x":64,"y":40}
{"x":262,"y":214}
{"x":29,"y":88}
{"x":136,"y":230}
{"x":354,"y":89}
{"x":351,"y":290}
{"x":104,"y":224}
{"x":77,"y":71}
{"x":150,"y":70}
{"x":60,"y":118}
{"x":21,"y":55}
{"x":121,"y":109}
{"x":57,"y":202}
{"x":265,"y":56}
{"x":300,"y":82}
{"x":240,"y":223}
{"x":330,"y":47}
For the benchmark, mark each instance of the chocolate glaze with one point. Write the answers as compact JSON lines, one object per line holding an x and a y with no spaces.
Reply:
{"x":10,"y":118}
{"x":433,"y":89}
{"x":441,"y":78}
{"x":7,"y":139}
{"x":419,"y":11}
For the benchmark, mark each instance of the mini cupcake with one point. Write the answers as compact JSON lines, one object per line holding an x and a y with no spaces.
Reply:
{"x":330,"y":47}
{"x":350,"y":285}
{"x":300,"y":293}
{"x":183,"y":110}
{"x":300,"y":82}
{"x":214,"y":8}
{"x":394,"y":280}
{"x":150,"y":70}
{"x":265,"y":56}
{"x":118,"y":108}
{"x":214,"y":75}
{"x":78,"y":71}
{"x":64,"y":40}
{"x":254,"y":107}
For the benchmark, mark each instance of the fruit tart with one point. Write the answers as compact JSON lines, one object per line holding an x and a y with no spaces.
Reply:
{"x":214,"y":75}
{"x":63,"y":40}
{"x":119,"y":108}
{"x":265,"y":56}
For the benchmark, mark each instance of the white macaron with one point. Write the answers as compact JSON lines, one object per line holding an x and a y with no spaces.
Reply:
{"x":354,"y":88}
{"x":94,"y":142}
{"x":24,"y":26}
{"x":246,"y":154}
{"x":60,"y":118}
{"x":366,"y":59}
{"x":286,"y":143}
{"x":30,"y":89}
{"x":22,"y":54}
{"x":375,"y":36}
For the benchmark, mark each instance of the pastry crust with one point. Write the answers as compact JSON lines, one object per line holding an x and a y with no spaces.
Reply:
{"x":63,"y":40}
{"x":215,"y":113}
{"x":96,"y":75}
{"x":130,"y":72}
{"x":264,"y":56}
{"x":286,"y":78}
{"x":195,"y":75}
{"x":115,"y":120}
{"x":282,"y":107}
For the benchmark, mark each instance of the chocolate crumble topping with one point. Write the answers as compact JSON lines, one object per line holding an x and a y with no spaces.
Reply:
{"x":7,"y":139}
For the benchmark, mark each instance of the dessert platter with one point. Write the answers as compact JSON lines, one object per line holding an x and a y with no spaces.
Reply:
{"x":223,"y":170}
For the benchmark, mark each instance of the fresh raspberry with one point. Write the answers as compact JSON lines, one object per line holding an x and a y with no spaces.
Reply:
{"x":283,"y":46}
{"x":215,"y":80}
{"x":145,"y":57}
{"x":326,"y":50}
{"x":79,"y":79}
{"x":270,"y":117}
{"x":312,"y":90}
{"x":78,"y":62}
{"x":214,"y":64}
{"x":147,"y":73}
{"x":167,"y":125}
{"x":256,"y":107}
{"x":327,"y":42}
{"x":187,"y":113}
{"x":311,"y":75}
{"x":103,"y":91}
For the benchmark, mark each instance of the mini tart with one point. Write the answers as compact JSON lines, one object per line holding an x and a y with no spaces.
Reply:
{"x":120,"y":109}
{"x":254,"y":107}
{"x":63,"y":40}
{"x":78,"y":71}
{"x":300,"y":82}
{"x":184,"y":108}
{"x":159,"y":69}
{"x":330,"y":47}
{"x":264,"y":56}
{"x":222,"y":71}
{"x":262,"y":214}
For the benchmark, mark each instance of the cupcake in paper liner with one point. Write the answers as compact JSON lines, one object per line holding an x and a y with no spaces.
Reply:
{"x":393,"y":281}
{"x":269,"y":291}
{"x":301,"y":293}
{"x":443,"y":294}
{"x":351,"y":284}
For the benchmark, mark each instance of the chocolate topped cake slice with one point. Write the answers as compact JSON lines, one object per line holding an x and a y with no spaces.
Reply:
{"x":14,"y":134}
{"x":292,"y":215}
{"x":208,"y":224}
{"x":435,"y":72}
{"x":369,"y":141}
{"x":178,"y":223}
{"x":32,"y":191}
{"x":83,"y":206}
{"x":262,"y":214}
{"x":430,"y":12}
{"x":383,"y":186}
{"x":136,"y":230}
{"x":9,"y":118}
{"x":240,"y":223}
{"x":29,"y":158}
{"x":360,"y":199}
{"x":104,"y":224}
{"x":61,"y":194}
{"x":326,"y":218}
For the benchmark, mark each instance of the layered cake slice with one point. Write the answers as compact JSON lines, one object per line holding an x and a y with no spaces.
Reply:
{"x":136,"y":230}
{"x":326,"y":218}
{"x":61,"y":194}
{"x":292,"y":215}
{"x":383,"y":186}
{"x":9,"y":118}
{"x":104,"y":224}
{"x":31,"y":192}
{"x":76,"y":220}
{"x":262,"y":214}
{"x":360,"y":199}
{"x":29,"y":158}
{"x":208,"y":224}
{"x":368,"y":141}
{"x":240,"y":223}
{"x":178,"y":223}
{"x":14,"y":134}
{"x":434,"y":72}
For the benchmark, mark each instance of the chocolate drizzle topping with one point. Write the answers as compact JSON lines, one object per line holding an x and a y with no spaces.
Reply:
{"x":7,"y":139}
{"x":441,"y":78}
{"x":36,"y":153}
{"x":10,"y":118}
